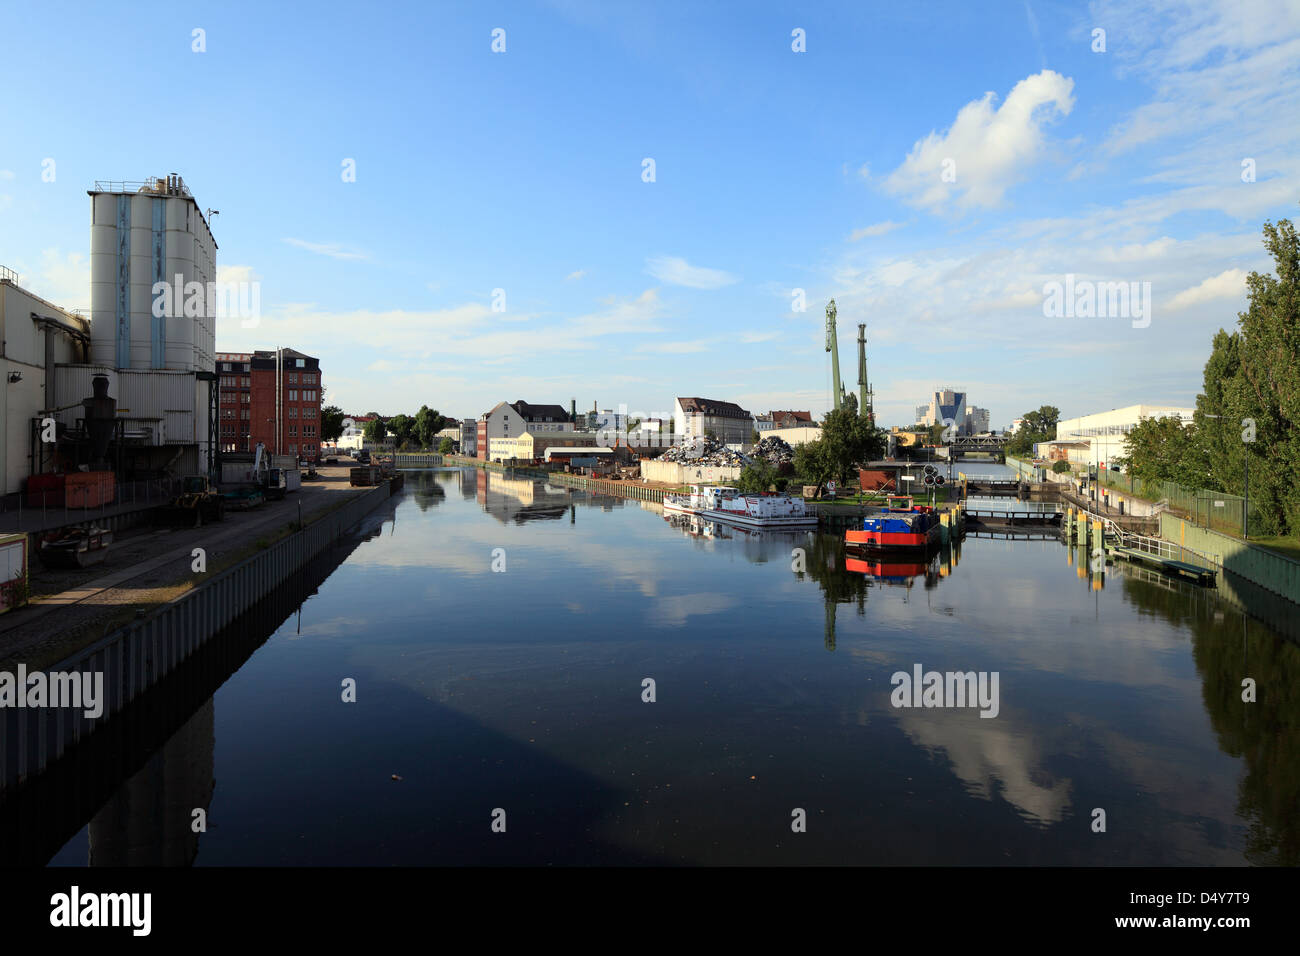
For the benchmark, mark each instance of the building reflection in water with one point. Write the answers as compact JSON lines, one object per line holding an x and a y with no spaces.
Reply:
{"x":149,"y":820}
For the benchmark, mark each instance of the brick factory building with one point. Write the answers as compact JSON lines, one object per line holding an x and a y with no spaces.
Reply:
{"x":270,"y":397}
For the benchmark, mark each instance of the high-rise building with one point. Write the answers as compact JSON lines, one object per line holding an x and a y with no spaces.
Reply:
{"x":947,"y":407}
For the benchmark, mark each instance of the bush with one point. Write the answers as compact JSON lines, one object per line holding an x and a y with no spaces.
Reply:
{"x":756,"y":477}
{"x":1061,"y":467}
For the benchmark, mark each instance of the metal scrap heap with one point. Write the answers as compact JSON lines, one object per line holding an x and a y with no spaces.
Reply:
{"x":776,"y":451}
{"x":704,"y":451}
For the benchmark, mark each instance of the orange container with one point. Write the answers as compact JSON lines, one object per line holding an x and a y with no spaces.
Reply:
{"x":90,"y":489}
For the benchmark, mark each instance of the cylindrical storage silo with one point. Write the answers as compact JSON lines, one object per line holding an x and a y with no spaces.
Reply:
{"x":103,"y":279}
{"x":180,"y":256}
{"x":142,"y":281}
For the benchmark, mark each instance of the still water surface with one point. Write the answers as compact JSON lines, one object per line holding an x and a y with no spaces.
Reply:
{"x":521,"y":690}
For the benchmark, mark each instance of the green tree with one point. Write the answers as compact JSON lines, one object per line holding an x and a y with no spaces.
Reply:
{"x":756,"y":477}
{"x":446,"y":447}
{"x":1038,"y":426}
{"x":331,"y":423}
{"x":400,"y":426}
{"x":812,"y":463}
{"x":1248,"y":413}
{"x":1252,"y":381}
{"x":426,"y":425}
{"x":375,"y":432}
{"x":1162,"y":449}
{"x":849,"y":440}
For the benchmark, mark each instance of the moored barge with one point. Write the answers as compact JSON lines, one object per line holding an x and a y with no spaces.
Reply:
{"x":901,"y":525}
{"x":750,"y":510}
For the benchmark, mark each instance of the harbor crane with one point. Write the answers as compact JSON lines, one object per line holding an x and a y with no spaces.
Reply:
{"x":865,"y":393}
{"x":832,"y":346}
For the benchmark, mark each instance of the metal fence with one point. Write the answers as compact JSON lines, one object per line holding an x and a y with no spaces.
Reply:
{"x":24,"y":511}
{"x":135,"y":657}
{"x":1207,"y":509}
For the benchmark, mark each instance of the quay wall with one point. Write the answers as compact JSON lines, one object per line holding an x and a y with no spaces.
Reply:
{"x":1271,"y":571}
{"x":135,"y":657}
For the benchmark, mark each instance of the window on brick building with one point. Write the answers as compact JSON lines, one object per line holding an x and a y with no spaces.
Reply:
{"x":309,"y":411}
{"x":293,"y":395}
{"x":309,"y":395}
{"x":293,"y":378}
{"x":293,"y":411}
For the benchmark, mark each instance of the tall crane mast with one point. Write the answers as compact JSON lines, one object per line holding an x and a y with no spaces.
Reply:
{"x":865,"y":407}
{"x":832,"y":346}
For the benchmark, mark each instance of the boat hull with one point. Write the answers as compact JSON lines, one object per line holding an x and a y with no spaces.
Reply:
{"x":893,"y":540}
{"x":746,"y":520}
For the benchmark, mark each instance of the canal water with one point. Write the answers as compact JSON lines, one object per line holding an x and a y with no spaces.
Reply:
{"x":501,"y":632}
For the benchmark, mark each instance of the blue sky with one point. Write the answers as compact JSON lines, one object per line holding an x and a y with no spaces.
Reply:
{"x":774,"y":171}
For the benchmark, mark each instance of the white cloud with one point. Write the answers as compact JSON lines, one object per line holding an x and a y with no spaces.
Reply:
{"x":234,"y":273}
{"x":989,"y":148}
{"x":331,"y":249}
{"x":879,"y":229}
{"x":576,"y":274}
{"x":63,"y":279}
{"x":677,"y":271}
{"x":6,"y":174}
{"x":1228,"y":284}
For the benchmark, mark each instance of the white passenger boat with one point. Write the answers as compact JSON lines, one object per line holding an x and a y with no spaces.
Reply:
{"x":750,"y":510}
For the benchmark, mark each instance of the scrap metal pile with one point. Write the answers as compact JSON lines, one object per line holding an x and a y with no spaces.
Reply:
{"x":704,"y":451}
{"x":776,"y":451}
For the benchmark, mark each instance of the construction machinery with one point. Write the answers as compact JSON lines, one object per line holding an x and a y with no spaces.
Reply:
{"x":197,"y":502}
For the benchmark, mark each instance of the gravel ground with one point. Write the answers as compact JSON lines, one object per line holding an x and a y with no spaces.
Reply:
{"x":145,"y":567}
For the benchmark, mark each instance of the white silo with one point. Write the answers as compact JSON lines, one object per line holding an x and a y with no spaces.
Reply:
{"x":181,"y":215}
{"x":107,"y":246}
{"x":143,"y":234}
{"x":141,"y":280}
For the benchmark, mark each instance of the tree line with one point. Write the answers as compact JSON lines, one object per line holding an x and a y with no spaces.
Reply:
{"x":406,"y":431}
{"x":1248,"y":414}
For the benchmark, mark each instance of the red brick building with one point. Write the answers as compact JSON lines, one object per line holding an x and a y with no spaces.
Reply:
{"x":274,"y":402}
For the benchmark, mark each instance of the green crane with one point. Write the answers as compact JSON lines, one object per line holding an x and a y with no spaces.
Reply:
{"x":865,"y":394}
{"x":832,"y":346}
